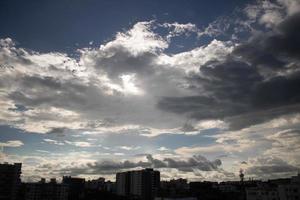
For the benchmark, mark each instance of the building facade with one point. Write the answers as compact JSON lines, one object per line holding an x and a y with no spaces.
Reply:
{"x":290,"y":191}
{"x":279,"y":189}
{"x":10,"y":180}
{"x":262,"y":193}
{"x":123,"y":183}
{"x":143,"y":184}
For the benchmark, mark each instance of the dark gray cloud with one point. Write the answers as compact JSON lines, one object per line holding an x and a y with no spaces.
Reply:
{"x":58,"y":131}
{"x":110,"y":167}
{"x":48,"y":90}
{"x":257,"y":82}
{"x":197,"y":161}
{"x":278,"y":91}
{"x":262,"y":170}
{"x":121,"y":61}
{"x":227,"y":85}
{"x":263,"y":167}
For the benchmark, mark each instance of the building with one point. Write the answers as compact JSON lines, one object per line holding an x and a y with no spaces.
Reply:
{"x":180,"y":198}
{"x":98,"y":184}
{"x":143,"y":184}
{"x":278,"y":189}
{"x":229,"y":187}
{"x":110,"y":186}
{"x":175,"y":188}
{"x":290,"y":191}
{"x":76,"y":187}
{"x":266,"y":192}
{"x":10,"y":180}
{"x":46,"y":191}
{"x":123,"y":183}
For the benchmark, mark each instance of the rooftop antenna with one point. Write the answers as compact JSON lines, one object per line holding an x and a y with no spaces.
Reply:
{"x":242,"y":175}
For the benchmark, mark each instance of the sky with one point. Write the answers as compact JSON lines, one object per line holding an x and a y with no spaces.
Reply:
{"x":195,"y":89}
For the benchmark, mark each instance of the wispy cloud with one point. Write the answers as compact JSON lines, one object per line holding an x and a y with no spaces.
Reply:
{"x":11,"y":143}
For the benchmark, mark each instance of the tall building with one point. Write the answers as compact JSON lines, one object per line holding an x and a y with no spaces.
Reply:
{"x":76,"y":187}
{"x":143,"y":184}
{"x":123,"y":183}
{"x":9,"y":180}
{"x":46,"y":191}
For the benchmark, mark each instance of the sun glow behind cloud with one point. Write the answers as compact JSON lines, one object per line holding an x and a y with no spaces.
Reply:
{"x":129,"y":85}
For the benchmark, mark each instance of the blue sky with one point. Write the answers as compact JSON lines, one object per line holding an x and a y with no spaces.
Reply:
{"x":67,"y":25}
{"x":196,"y":89}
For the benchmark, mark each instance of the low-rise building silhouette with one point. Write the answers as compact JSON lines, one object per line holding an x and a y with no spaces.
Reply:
{"x":174,"y":189}
{"x":46,"y":191}
{"x":76,"y":187}
{"x":97,"y":184}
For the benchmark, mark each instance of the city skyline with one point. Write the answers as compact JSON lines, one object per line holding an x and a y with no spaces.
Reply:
{"x":143,"y":184}
{"x":194,"y":89}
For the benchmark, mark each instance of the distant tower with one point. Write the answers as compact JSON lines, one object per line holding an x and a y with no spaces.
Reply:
{"x":242,"y":175}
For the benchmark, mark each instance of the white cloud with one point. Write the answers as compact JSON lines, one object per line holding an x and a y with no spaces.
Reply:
{"x":271,"y":13}
{"x":208,"y":124}
{"x":219,"y":148}
{"x":129,"y":85}
{"x":119,"y":154}
{"x":50,"y":141}
{"x":129,"y":148}
{"x":79,"y":143}
{"x":139,"y":39}
{"x":179,"y":29}
{"x":162,"y":149}
{"x":192,"y":60}
{"x":11,"y":143}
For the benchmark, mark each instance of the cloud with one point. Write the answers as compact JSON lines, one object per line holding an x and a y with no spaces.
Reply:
{"x":110,"y":167}
{"x":266,"y":167}
{"x":191,"y":60}
{"x":11,"y":143}
{"x":79,"y":143}
{"x":270,"y":13}
{"x":128,"y":148}
{"x":285,"y":146}
{"x":64,"y":142}
{"x":218,"y":148}
{"x":197,"y":161}
{"x":162,"y":149}
{"x":179,"y":29}
{"x":50,"y":141}
{"x":235,"y":94}
{"x":59,"y":131}
{"x":258,"y":79}
{"x":121,"y":80}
